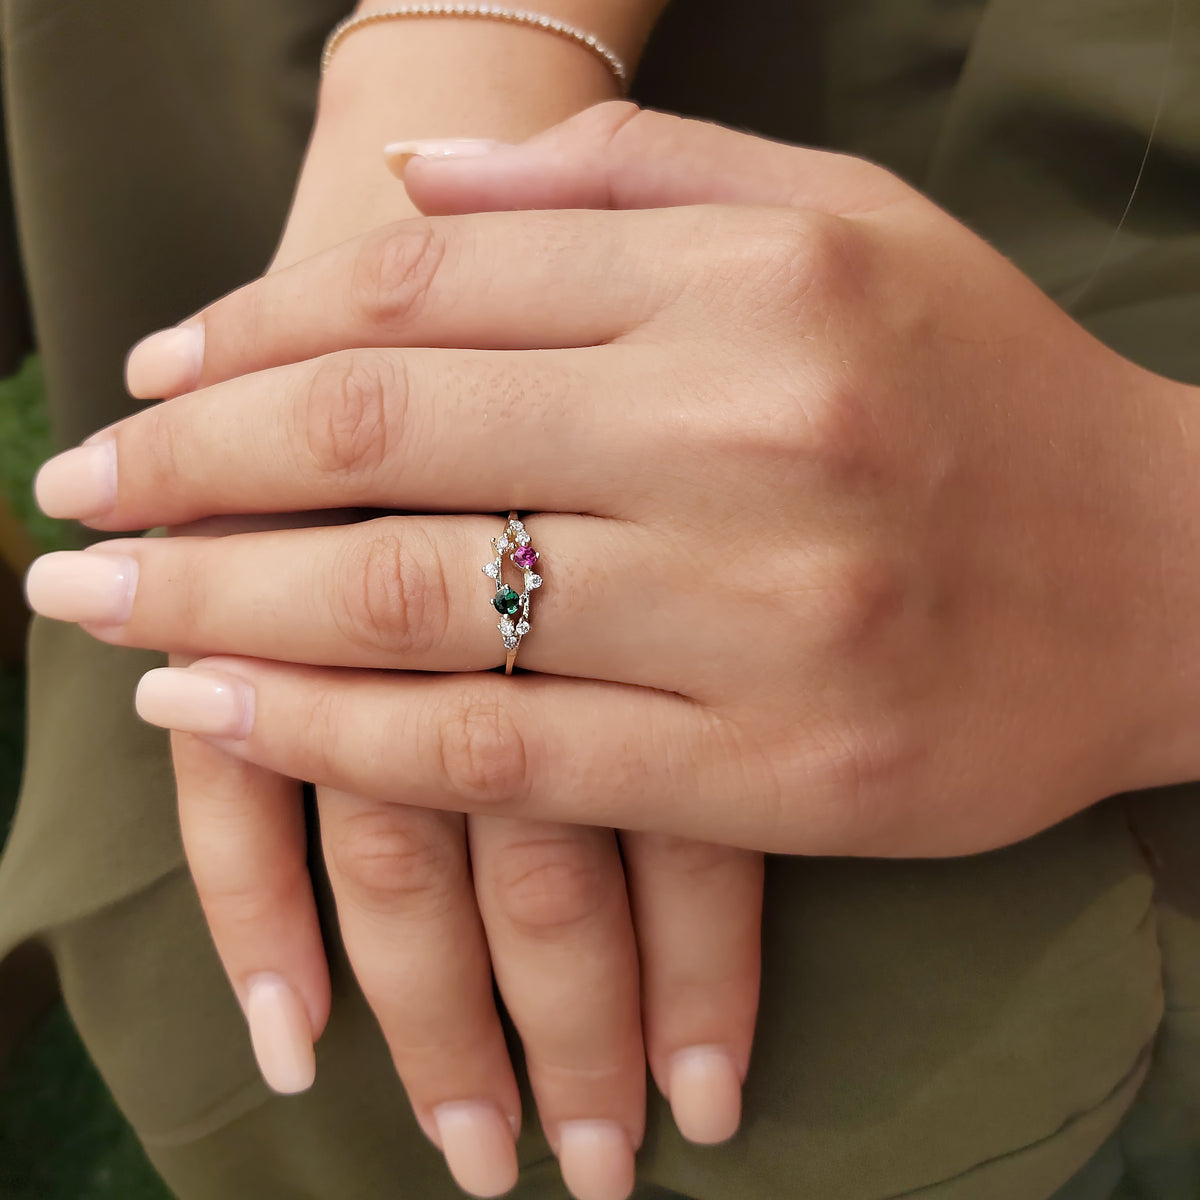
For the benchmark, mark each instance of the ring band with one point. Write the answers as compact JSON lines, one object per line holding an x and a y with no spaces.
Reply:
{"x":513,"y":606}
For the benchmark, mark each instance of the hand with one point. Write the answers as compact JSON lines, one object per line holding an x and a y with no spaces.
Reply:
{"x":876,"y":554}
{"x":557,"y":915}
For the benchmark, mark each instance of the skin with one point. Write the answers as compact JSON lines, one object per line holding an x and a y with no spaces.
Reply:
{"x":883,"y":554}
{"x":600,"y":964}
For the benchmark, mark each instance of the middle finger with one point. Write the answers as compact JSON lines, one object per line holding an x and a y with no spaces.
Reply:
{"x":456,"y":430}
{"x":411,"y":928}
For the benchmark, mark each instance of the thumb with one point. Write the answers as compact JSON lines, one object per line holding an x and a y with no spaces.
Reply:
{"x":617,"y":155}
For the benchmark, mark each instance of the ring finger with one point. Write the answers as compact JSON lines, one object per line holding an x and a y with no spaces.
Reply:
{"x":556,"y":910}
{"x":395,"y":592}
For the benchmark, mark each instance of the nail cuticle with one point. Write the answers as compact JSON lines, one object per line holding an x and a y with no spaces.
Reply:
{"x":83,"y":587}
{"x":280,"y":1033}
{"x":705,"y":1093}
{"x":167,"y":362}
{"x":596,"y":1159}
{"x":478,"y":1145}
{"x":79,"y":484}
{"x":191,"y":700}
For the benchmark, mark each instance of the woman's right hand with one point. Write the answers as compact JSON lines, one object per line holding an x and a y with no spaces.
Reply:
{"x":429,"y":905}
{"x":605,"y":955}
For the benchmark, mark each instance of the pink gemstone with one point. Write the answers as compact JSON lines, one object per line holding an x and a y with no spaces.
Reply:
{"x":525,"y":557}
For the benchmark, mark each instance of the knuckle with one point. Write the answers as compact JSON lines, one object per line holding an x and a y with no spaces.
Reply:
{"x":548,"y":886}
{"x":807,"y":260}
{"x":159,"y":450}
{"x":388,"y":862}
{"x":482,"y":755}
{"x":241,"y":910}
{"x":867,"y":594}
{"x":346,"y":417}
{"x":789,"y":428}
{"x":687,"y":858}
{"x":319,"y":731}
{"x":811,"y":414}
{"x":856,"y":772}
{"x":829,"y":425}
{"x":392,"y":593}
{"x":623,"y":129}
{"x":192,"y":593}
{"x":395,"y":270}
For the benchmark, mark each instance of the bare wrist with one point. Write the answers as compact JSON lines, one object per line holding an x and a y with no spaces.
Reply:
{"x":625,"y":25}
{"x":421,"y":79}
{"x":1165,"y":702}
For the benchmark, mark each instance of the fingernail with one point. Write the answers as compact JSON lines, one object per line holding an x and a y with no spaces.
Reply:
{"x":280,"y":1034}
{"x":79,"y":484}
{"x":166,"y":362}
{"x":479,"y":1148}
{"x":71,"y":585}
{"x":397,"y":154}
{"x":705,"y":1093}
{"x":596,"y":1160}
{"x":196,"y":701}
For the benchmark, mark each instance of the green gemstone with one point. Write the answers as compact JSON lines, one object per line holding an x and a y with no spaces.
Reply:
{"x":506,"y":602}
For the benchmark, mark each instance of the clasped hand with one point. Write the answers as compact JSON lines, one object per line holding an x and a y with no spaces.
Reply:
{"x":852,"y":539}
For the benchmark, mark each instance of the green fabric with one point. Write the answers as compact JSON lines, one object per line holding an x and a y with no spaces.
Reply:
{"x":1018,"y":1024}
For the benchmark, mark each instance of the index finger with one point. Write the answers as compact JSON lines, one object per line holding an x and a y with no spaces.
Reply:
{"x":616,"y":155}
{"x":499,"y":281}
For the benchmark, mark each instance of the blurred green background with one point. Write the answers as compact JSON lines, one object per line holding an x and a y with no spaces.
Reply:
{"x":61,"y":1136}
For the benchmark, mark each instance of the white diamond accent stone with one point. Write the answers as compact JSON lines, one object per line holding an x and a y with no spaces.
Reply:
{"x":505,"y":626}
{"x":503,"y":544}
{"x":522,"y":628}
{"x":510,"y":643}
{"x":523,"y":539}
{"x":532,"y":581}
{"x":491,"y":570}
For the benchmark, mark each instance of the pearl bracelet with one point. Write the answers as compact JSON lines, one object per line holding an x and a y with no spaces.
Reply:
{"x":488,"y":12}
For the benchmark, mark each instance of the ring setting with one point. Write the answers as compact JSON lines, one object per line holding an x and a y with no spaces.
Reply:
{"x":513,"y":606}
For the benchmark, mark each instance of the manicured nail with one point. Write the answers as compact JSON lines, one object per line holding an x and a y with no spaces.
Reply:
{"x":596,"y":1160}
{"x":280,"y":1034}
{"x":705,"y":1092}
{"x":71,"y":585}
{"x":165,"y":363}
{"x":479,"y":1148}
{"x":80,"y":484}
{"x":397,"y":154}
{"x":196,"y":701}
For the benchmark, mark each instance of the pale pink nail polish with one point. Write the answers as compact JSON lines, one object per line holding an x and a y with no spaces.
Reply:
{"x":705,"y":1093}
{"x":281,"y":1034}
{"x":165,"y":363}
{"x":71,"y":585}
{"x":397,"y":154}
{"x":596,"y":1160}
{"x":196,"y":701}
{"x":79,"y":484}
{"x":479,"y":1148}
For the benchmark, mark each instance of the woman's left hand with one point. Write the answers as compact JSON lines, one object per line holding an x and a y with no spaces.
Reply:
{"x":853,"y":542}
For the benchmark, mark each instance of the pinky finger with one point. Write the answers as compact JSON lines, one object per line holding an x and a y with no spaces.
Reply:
{"x":244,"y":835}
